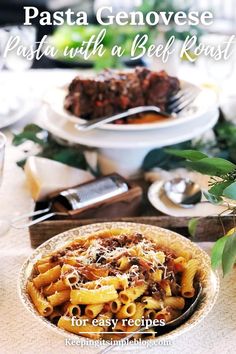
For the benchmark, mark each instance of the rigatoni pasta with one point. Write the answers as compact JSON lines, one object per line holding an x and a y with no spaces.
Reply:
{"x":71,"y":310}
{"x":59,"y":297}
{"x":187,"y":288}
{"x":94,"y":296}
{"x":48,"y":277}
{"x":126,"y":311}
{"x":43,"y":306}
{"x":176,"y":302}
{"x":55,"y":287}
{"x":151,"y":303}
{"x":106,"y":285}
{"x":132,"y":293}
{"x":93,"y":310}
{"x":87,"y":330}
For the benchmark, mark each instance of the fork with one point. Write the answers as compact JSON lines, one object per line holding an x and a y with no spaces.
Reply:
{"x":177,"y":321}
{"x":176,"y":104}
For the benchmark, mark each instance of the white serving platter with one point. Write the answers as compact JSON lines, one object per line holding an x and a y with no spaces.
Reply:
{"x":205,"y":101}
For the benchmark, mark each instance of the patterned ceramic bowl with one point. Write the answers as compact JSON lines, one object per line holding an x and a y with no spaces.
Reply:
{"x":209,"y":280}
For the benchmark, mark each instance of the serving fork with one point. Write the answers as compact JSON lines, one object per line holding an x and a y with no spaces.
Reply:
{"x":176,"y":104}
{"x":176,"y":322}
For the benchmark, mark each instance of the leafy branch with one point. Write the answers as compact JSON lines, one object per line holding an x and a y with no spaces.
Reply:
{"x":171,"y":6}
{"x":222,"y":184}
{"x":222,"y":172}
{"x":49,"y":148}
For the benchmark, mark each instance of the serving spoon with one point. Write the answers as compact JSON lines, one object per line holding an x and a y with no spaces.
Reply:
{"x":183,"y":192}
{"x":186,"y":193}
{"x":176,"y":322}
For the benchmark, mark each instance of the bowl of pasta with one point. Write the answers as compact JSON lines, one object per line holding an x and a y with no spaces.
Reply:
{"x":109,"y":280}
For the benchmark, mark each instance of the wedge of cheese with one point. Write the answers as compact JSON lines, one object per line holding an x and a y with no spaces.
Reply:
{"x":46,"y":176}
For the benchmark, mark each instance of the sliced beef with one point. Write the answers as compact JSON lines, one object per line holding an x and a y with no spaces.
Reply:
{"x":111,"y":92}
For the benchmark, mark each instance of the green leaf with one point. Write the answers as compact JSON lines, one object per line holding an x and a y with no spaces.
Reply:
{"x":213,"y":199}
{"x":229,"y":254}
{"x":67,"y":155}
{"x":230,"y":191}
{"x":21,"y":163}
{"x":219,"y":188}
{"x":153,"y":158}
{"x":217,"y":251}
{"x":160,"y":158}
{"x":212,"y":166}
{"x":31,"y":132}
{"x":192,"y":226}
{"x":226,"y":139}
{"x":192,"y":155}
{"x":232,"y":152}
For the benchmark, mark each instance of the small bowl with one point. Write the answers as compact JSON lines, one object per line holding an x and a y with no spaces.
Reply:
{"x":209,"y":279}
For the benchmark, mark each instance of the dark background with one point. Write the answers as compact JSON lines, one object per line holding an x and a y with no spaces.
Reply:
{"x":12,"y":13}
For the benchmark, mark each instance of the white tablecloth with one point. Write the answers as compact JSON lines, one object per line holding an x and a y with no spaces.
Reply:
{"x":20,"y":333}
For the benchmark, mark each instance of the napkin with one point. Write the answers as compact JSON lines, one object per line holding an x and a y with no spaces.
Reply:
{"x":45,"y":176}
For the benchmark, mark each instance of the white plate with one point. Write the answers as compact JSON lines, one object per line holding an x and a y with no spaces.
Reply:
{"x":23,"y":104}
{"x":205,"y":101}
{"x":163,"y":204}
{"x":136,"y":139}
{"x":14,"y":117}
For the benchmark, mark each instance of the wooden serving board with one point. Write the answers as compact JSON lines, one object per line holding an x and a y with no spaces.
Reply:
{"x":208,"y":229}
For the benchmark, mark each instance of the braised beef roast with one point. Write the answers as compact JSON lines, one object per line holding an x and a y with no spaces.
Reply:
{"x":111,"y":92}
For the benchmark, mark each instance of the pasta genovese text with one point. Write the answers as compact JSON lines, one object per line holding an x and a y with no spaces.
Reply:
{"x":112,"y":282}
